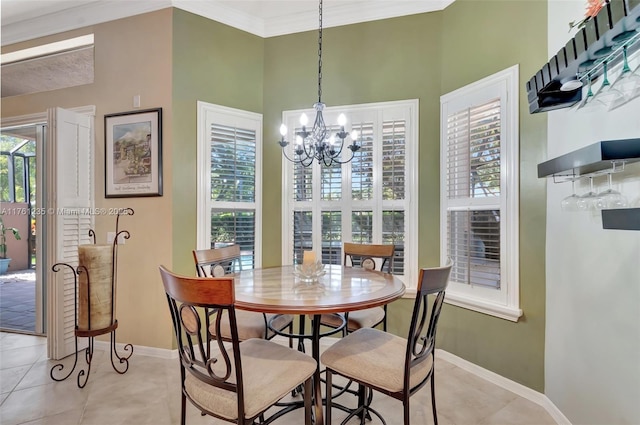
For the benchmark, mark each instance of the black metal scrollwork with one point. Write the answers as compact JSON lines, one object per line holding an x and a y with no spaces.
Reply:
{"x":83,"y":374}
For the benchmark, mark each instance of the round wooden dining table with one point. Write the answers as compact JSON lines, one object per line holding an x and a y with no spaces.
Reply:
{"x":340,"y":289}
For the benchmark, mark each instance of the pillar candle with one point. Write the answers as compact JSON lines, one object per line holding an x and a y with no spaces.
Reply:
{"x":96,"y":267}
{"x":309,"y":257}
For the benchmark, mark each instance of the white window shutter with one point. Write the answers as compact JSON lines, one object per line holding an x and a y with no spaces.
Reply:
{"x":473,"y":171}
{"x":371,"y":199}
{"x":479,"y":194}
{"x":229,"y":180}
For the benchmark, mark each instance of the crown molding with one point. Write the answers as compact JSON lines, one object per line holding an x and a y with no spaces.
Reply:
{"x":84,"y":15}
{"x":227,"y":15}
{"x":350,"y":13}
{"x":96,"y":12}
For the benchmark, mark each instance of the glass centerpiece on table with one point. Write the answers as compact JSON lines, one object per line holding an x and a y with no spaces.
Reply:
{"x":310,"y":270}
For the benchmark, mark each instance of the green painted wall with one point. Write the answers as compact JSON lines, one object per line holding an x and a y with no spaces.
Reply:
{"x":480,"y":38}
{"x":214,"y":63}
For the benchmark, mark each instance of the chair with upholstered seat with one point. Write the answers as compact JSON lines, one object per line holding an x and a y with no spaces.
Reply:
{"x":218,"y":262}
{"x":387,"y":363}
{"x":237,"y":381}
{"x":365,"y":256}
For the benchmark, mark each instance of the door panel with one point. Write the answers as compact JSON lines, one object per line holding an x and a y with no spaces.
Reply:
{"x":69,"y":199}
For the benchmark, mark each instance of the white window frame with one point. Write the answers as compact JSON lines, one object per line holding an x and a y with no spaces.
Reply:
{"x":505,"y":302}
{"x":405,"y":109}
{"x":210,"y":113}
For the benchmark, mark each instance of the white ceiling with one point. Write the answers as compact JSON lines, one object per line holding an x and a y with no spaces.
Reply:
{"x":27,"y":19}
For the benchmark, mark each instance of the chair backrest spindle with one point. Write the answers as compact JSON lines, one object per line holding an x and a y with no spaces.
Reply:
{"x":421,"y":340}
{"x":217,"y":262}
{"x":364,"y":255}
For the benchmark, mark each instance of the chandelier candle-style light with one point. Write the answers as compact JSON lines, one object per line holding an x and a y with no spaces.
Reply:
{"x":318,"y":143}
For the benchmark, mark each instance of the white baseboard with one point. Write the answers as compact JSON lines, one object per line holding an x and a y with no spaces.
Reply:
{"x":507,"y":384}
{"x":139,"y":350}
{"x":164,"y":353}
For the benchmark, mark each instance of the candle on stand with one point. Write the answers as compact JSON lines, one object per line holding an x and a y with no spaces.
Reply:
{"x":95,"y":287}
{"x":309,"y":257}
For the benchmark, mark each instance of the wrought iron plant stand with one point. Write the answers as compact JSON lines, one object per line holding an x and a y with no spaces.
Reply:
{"x":89,"y":332}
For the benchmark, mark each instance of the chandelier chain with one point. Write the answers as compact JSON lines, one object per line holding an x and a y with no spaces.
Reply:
{"x":318,"y":143}
{"x":320,"y":53}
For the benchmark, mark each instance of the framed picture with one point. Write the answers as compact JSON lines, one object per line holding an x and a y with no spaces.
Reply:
{"x":133,"y":154}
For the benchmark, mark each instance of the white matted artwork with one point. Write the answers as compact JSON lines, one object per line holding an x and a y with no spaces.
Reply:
{"x":133,"y":153}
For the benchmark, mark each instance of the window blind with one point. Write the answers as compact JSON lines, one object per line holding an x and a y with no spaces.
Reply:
{"x":233,"y":180}
{"x":473,"y":160}
{"x":362,"y":227}
{"x":233,"y":162}
{"x":362,"y":164}
{"x":302,"y":234}
{"x":473,"y":171}
{"x":331,"y":237}
{"x":393,"y":159}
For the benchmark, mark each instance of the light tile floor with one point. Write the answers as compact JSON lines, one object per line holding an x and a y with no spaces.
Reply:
{"x":149,"y":393}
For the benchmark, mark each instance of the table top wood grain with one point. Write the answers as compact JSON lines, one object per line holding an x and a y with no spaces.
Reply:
{"x":278,"y":290}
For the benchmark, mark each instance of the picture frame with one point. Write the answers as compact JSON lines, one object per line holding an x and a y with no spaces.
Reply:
{"x":133,"y":153}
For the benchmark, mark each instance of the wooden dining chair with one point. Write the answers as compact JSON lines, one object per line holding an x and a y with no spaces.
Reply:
{"x":219,"y":262}
{"x":235,"y":381}
{"x":370,"y":257}
{"x":387,"y":363}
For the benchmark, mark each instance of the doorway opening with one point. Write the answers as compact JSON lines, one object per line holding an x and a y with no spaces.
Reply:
{"x":22,"y":294}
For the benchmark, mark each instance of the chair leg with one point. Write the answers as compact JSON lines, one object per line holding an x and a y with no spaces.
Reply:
{"x":407,"y":415}
{"x":433,"y":397}
{"x":362,"y":390}
{"x":290,"y":330}
{"x":183,"y":410}
{"x":328,"y":395}
{"x":307,"y":402}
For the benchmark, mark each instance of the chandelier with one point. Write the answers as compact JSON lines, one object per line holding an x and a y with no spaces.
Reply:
{"x":318,"y":142}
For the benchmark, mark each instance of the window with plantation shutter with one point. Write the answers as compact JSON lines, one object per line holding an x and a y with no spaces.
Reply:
{"x":229,"y":158}
{"x":371,"y":199}
{"x":479,"y":194}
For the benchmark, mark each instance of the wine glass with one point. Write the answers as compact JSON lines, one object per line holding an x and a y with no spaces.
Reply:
{"x":585,"y":201}
{"x":588,"y":98}
{"x":570,"y":203}
{"x":627,"y":82}
{"x":610,"y":198}
{"x":606,"y":93}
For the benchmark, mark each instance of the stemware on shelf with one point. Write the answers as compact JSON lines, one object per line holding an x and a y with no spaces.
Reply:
{"x":585,"y":201}
{"x":618,"y":87}
{"x":588,"y":97}
{"x":610,"y":198}
{"x":628,"y":82}
{"x":570,"y":203}
{"x":606,"y":94}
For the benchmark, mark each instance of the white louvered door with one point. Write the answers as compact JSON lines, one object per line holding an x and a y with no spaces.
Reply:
{"x":69,"y":197}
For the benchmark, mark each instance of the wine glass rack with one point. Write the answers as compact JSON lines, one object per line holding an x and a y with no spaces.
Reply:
{"x":600,"y":40}
{"x":599,"y":158}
